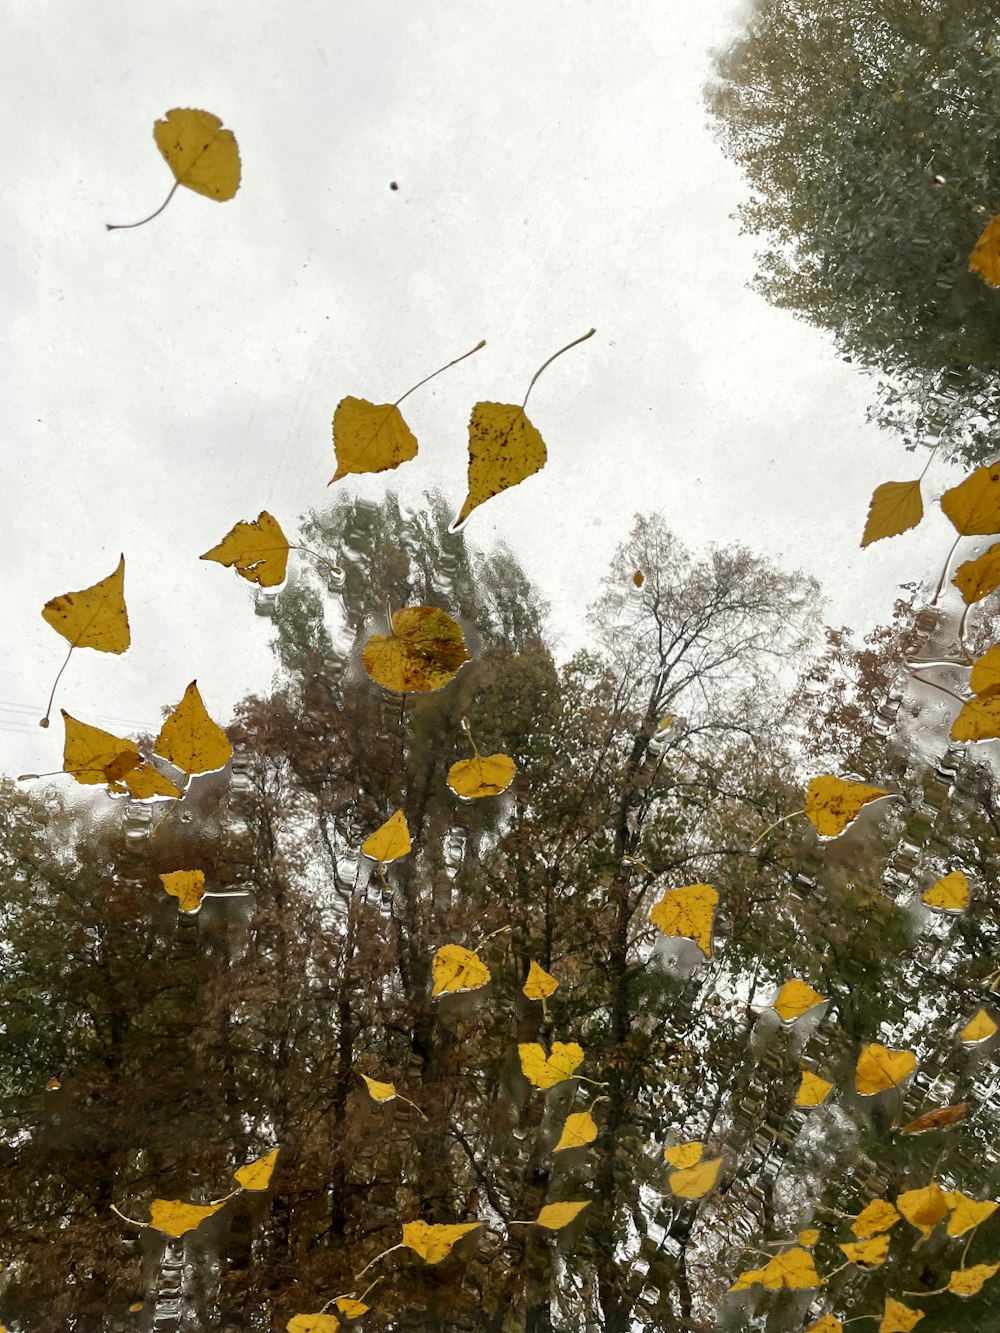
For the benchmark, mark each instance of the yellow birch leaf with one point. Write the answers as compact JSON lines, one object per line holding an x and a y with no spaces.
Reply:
{"x":688,"y":912}
{"x":370,"y":437}
{"x":694,"y":1182}
{"x":973,"y":506}
{"x":977,"y":578}
{"x":978,"y":720}
{"x":950,"y":894}
{"x":258,"y":551}
{"x":867,"y":1253}
{"x":349,"y":1308}
{"x":423,"y":652}
{"x":504,"y":448}
{"x":434,"y":1243}
{"x":134,"y":1308}
{"x":390,"y":841}
{"x":879,"y":1068}
{"x":458,"y":969}
{"x":985,"y":257}
{"x":964,"y":1213}
{"x":94,"y":756}
{"x":978,"y":1027}
{"x":808,"y":1238}
{"x":257,"y":1175}
{"x":832,"y":804}
{"x":201,"y":154}
{"x":95,"y":617}
{"x":577,"y":1132}
{"x":895,"y":507}
{"x":190,"y":740}
{"x":482,"y":775}
{"x":877,"y":1216}
{"x":545,"y":1071}
{"x":174,"y":1217}
{"x":313,"y":1323}
{"x":685,"y":1154}
{"x":828,"y":1324}
{"x":555,"y":1216}
{"x":187,"y":886}
{"x":380,"y":1092}
{"x":539,"y":984}
{"x":969,"y":1281}
{"x":984,"y":678}
{"x":923,"y":1208}
{"x":144,"y":782}
{"x":794,"y":1268}
{"x":899,"y":1318}
{"x":796,"y":998}
{"x":813,"y":1090}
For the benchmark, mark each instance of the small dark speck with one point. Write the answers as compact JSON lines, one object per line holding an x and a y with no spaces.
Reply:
{"x":393,"y":185}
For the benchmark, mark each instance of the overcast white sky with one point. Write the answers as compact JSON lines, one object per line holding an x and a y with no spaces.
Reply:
{"x":555,"y":172}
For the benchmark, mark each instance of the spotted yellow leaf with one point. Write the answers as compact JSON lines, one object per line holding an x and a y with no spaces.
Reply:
{"x":867,"y":1253}
{"x":94,"y":756}
{"x":832,"y":803}
{"x":423,"y":652}
{"x":145,"y":782}
{"x":898,"y":1318}
{"x":684,"y":1154}
{"x":190,"y":740}
{"x":985,"y":257}
{"x":796,"y":998}
{"x":257,"y":1175}
{"x":258,"y":551}
{"x":984,"y":679}
{"x":794,"y":1268}
{"x":808,"y":1238}
{"x":539,"y":984}
{"x":458,"y":969}
{"x":174,"y":1217}
{"x":879,"y":1068}
{"x":350,"y":1308}
{"x":688,"y":912}
{"x":964,"y":1213}
{"x":978,"y":719}
{"x":187,"y":886}
{"x":95,"y":617}
{"x":973,"y":506}
{"x":370,"y":437}
{"x":969,"y":1281}
{"x":895,"y":507}
{"x":201,"y":154}
{"x":923,"y":1208}
{"x":555,"y":1216}
{"x":694,"y":1182}
{"x":434,"y":1243}
{"x":813,"y":1090}
{"x":545,"y":1071}
{"x":313,"y":1323}
{"x":577,"y":1132}
{"x":828,"y":1324}
{"x":978,"y":1028}
{"x":390,"y":840}
{"x":950,"y":894}
{"x":976,"y":579}
{"x":877,"y":1216}
{"x":482,"y":775}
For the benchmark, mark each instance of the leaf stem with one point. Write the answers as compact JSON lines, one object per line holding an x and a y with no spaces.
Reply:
{"x":125,"y":226}
{"x":44,"y":722}
{"x":335,"y":570}
{"x":783,"y":820}
{"x":574,"y":343}
{"x":358,"y":1276}
{"x":915,"y":675}
{"x":130,"y":1220}
{"x":930,"y":460}
{"x":944,"y":573}
{"x":468,"y":731}
{"x":481,"y":343}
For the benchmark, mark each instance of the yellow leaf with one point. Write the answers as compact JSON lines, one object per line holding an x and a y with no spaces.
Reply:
{"x":968,"y":1281}
{"x":694,"y":1182}
{"x":688,"y":912}
{"x":808,"y":1238}
{"x":482,"y":775}
{"x":979,"y":1027}
{"x":94,"y":756}
{"x":95,"y":617}
{"x":899,"y":1318}
{"x":973,"y":506}
{"x":878,"y":1216}
{"x":187,"y":886}
{"x":423,"y":652}
{"x":813,"y":1090}
{"x":504,"y":448}
{"x":390,"y":841}
{"x":832,"y":803}
{"x":879,"y":1068}
{"x":134,"y":1308}
{"x":555,"y":1216}
{"x":985,"y":258}
{"x":145,"y":782}
{"x":349,"y":1308}
{"x":539,"y":984}
{"x":433,"y":1243}
{"x":923,"y":1208}
{"x":577,"y":1132}
{"x":544,"y":1071}
{"x":965,"y":1213}
{"x":978,"y":720}
{"x":985,"y":676}
{"x":828,"y":1324}
{"x":458,"y":969}
{"x":795,"y":998}
{"x":794,"y":1268}
{"x":977,"y":578}
{"x":190,"y":740}
{"x":258,"y":551}
{"x":313,"y":1323}
{"x":867,"y":1253}
{"x":174,"y":1217}
{"x":685,"y":1154}
{"x":950,"y":894}
{"x":380,"y":1092}
{"x":895,"y":507}
{"x":201,"y":154}
{"x":257,"y":1175}
{"x":370,"y":437}
{"x":940,"y":1118}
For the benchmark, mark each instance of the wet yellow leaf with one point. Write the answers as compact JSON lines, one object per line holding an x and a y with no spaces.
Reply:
{"x":924,"y":1208}
{"x":94,"y":756}
{"x":380,"y":1092}
{"x":978,"y":1027}
{"x":577,"y":1132}
{"x":539,"y":984}
{"x":879,"y":1068}
{"x":423,"y":652}
{"x":545,"y":1071}
{"x":969,"y":1281}
{"x":134,"y":1308}
{"x":95,"y":617}
{"x":965,"y":1213}
{"x":482,"y":775}
{"x":187,"y":886}
{"x":555,"y":1216}
{"x":832,"y":803}
{"x":813,"y":1090}
{"x":201,"y":154}
{"x":688,"y":912}
{"x":174,"y":1217}
{"x":685,"y":1154}
{"x":984,"y":678}
{"x":950,"y":894}
{"x":867,"y":1253}
{"x":257,"y":1175}
{"x":434,"y":1243}
{"x":190,"y":740}
{"x":313,"y":1323}
{"x":458,"y":969}
{"x":898,"y":1318}
{"x":973,"y":506}
{"x":794,"y":1268}
{"x":144,"y":782}
{"x":978,"y":719}
{"x":985,"y":257}
{"x":828,"y":1324}
{"x":895,"y":507}
{"x":370,"y":437}
{"x":258,"y":551}
{"x":349,"y":1308}
{"x":694,"y":1182}
{"x":808,"y":1238}
{"x":504,"y":448}
{"x":877,"y":1216}
{"x":977,"y":578}
{"x":390,"y":840}
{"x":795,"y":998}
